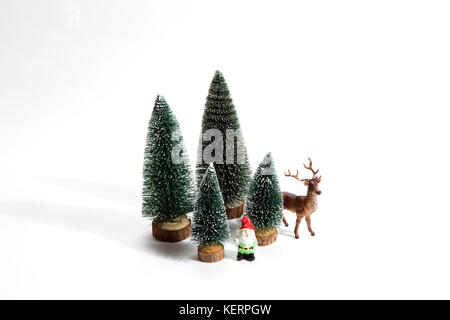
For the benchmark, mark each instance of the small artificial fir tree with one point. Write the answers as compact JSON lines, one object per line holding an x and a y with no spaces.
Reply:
{"x":210,"y":226}
{"x":220,"y":114}
{"x":168,"y":192}
{"x":264,"y":203}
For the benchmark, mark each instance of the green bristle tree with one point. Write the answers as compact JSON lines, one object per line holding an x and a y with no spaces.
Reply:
{"x":220,"y":114}
{"x":210,"y":225}
{"x":168,"y":191}
{"x":264,"y":203}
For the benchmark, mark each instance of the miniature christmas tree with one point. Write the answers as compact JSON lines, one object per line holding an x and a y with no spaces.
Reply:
{"x":264,"y":203}
{"x":231,"y":163}
{"x":210,"y":227}
{"x":168,"y":192}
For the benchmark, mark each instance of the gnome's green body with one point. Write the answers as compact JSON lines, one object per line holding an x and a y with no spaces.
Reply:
{"x":246,"y":240}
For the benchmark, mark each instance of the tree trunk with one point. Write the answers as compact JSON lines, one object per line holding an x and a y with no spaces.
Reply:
{"x":173,"y":231}
{"x":266,"y":237}
{"x":212,"y":253}
{"x":234,"y":213}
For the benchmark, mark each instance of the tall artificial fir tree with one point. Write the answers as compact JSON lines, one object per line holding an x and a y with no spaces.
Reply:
{"x":264,"y":203}
{"x":230,"y":158}
{"x":210,"y":226}
{"x":168,"y":192}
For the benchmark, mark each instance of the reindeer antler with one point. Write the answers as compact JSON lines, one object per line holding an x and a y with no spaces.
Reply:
{"x":318,"y":179}
{"x":289,"y":174}
{"x":310,"y":167}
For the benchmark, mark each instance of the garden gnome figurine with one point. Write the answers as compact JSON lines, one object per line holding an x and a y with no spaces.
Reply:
{"x":246,"y":240}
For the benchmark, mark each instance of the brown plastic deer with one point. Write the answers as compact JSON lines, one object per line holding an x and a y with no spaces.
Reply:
{"x":303,"y":206}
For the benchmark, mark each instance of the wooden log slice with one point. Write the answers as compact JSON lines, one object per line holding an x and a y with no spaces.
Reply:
{"x":234,"y":213}
{"x":213,"y":253}
{"x":266,"y":237}
{"x":173,"y":231}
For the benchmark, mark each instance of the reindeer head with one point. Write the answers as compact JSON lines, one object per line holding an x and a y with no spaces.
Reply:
{"x":313,"y":183}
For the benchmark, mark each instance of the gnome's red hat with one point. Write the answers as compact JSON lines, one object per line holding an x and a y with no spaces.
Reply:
{"x":246,"y":223}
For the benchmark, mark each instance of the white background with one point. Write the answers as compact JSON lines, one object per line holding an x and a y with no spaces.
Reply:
{"x":360,"y":86}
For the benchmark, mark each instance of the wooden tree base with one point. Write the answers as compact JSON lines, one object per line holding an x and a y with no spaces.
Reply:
{"x":266,"y":237}
{"x":213,"y":253}
{"x":174,"y":231}
{"x":234,"y":213}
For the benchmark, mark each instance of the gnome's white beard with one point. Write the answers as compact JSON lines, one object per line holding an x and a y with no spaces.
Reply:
{"x":246,"y":236}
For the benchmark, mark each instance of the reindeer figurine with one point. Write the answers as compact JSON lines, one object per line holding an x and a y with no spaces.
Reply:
{"x":303,"y":206}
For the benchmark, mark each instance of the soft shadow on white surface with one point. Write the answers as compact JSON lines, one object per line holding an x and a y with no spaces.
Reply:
{"x":126,"y":228}
{"x":289,"y":231}
{"x":115,"y":225}
{"x":230,"y":254}
{"x":98,"y":189}
{"x":177,"y":251}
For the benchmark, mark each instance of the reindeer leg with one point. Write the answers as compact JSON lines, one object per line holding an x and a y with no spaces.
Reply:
{"x":297,"y":224}
{"x":284,"y":220}
{"x":308,"y":222}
